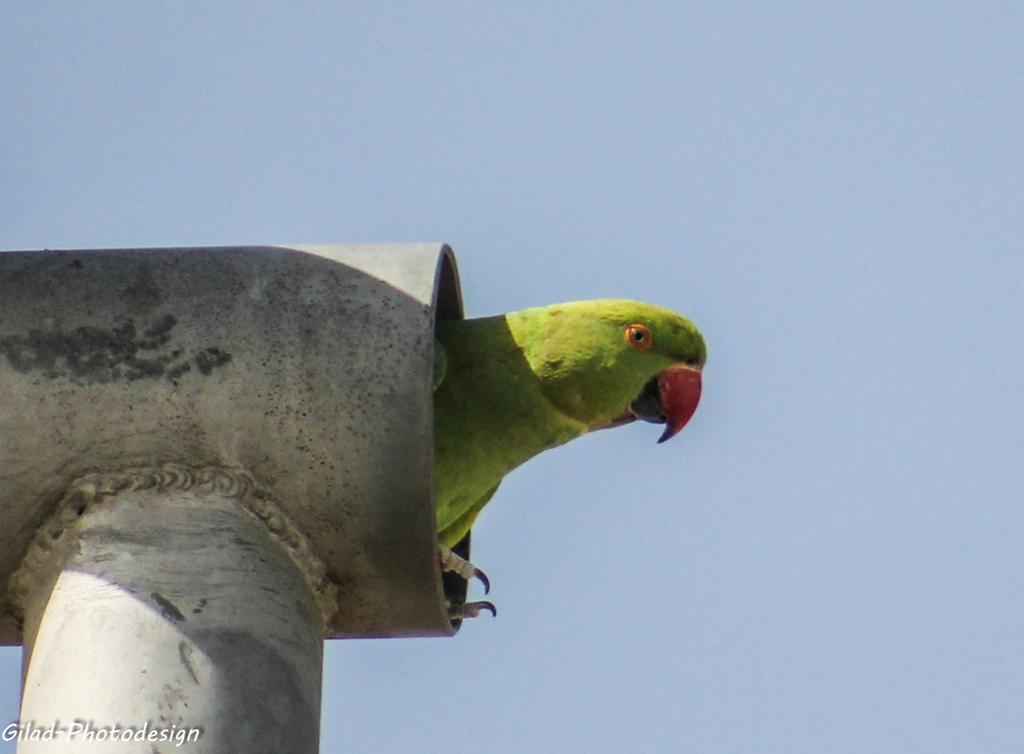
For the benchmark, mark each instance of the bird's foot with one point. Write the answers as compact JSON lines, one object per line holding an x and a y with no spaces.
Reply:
{"x":470,"y":609}
{"x":450,"y":562}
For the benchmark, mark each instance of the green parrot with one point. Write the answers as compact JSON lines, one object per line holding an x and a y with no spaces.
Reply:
{"x":510,"y":386}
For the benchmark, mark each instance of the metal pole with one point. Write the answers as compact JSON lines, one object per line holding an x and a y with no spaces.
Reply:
{"x":211,"y":459}
{"x":180,"y":611}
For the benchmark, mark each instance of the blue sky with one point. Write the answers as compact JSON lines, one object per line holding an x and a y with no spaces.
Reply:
{"x":829,"y":557}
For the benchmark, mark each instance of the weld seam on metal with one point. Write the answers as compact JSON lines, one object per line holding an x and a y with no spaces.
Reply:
{"x":93,"y":489}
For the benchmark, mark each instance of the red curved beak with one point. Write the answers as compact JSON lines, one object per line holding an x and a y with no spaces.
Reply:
{"x":678,"y":393}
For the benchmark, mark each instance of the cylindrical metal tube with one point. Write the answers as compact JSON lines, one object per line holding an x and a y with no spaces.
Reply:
{"x":310,"y":368}
{"x":176,"y":614}
{"x":210,"y":461}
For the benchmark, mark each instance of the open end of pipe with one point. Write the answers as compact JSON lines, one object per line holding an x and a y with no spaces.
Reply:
{"x":448,"y":306}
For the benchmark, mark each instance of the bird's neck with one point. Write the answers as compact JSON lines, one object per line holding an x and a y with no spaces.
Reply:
{"x":491,"y":413}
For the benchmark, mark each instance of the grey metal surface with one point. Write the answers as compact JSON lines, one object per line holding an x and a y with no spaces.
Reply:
{"x":174,"y":613}
{"x":309,"y":367}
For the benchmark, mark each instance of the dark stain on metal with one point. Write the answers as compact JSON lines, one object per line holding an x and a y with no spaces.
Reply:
{"x":98,"y":355}
{"x":144,"y":294}
{"x":162,"y":327}
{"x":210,"y":359}
{"x":168,"y":608}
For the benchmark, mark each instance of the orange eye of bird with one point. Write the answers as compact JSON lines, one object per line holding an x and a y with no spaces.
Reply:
{"x":639,"y":337}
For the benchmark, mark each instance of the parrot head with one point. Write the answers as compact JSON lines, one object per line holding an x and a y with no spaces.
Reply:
{"x":609,"y":362}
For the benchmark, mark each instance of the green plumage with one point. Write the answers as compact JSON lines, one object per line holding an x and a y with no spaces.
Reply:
{"x":511,"y":386}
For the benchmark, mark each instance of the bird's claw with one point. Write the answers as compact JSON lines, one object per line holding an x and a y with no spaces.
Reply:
{"x":482,"y":577}
{"x":471,"y":609}
{"x":451,"y":562}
